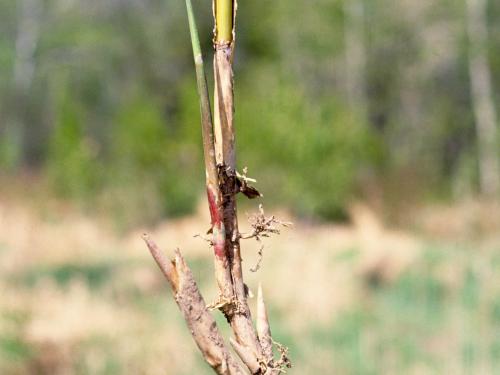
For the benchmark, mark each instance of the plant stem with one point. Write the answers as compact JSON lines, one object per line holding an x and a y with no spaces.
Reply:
{"x":192,"y":305}
{"x":249,"y":348}
{"x":224,"y":21}
{"x":214,"y":196}
{"x":222,"y":187}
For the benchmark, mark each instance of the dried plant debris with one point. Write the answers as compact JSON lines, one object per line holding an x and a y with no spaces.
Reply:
{"x":260,"y":256}
{"x":284,"y":361}
{"x":220,"y":303}
{"x":243,"y":186}
{"x":207,"y":239}
{"x":263,"y":226}
{"x":232,"y":182}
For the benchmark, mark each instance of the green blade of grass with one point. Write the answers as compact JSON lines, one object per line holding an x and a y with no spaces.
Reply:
{"x":205,"y":109}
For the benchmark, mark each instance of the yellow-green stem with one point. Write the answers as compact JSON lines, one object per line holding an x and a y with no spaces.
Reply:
{"x":224,"y":21}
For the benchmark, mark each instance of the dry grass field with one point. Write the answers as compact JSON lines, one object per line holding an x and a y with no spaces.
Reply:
{"x":77,"y":297}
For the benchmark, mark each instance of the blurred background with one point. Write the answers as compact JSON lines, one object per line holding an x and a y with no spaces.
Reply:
{"x":371,"y":124}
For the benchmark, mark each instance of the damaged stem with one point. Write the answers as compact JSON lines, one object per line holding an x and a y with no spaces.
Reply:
{"x":241,"y":321}
{"x":253,"y":347}
{"x":192,"y":305}
{"x":214,"y":196}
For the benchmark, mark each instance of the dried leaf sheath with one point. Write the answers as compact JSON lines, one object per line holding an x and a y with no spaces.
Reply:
{"x":224,"y":107}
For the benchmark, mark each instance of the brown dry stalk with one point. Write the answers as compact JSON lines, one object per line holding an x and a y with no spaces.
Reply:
{"x":192,"y":305}
{"x":249,"y":348}
{"x":253,"y":347}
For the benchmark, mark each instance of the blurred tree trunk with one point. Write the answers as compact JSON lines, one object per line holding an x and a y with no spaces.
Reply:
{"x":482,"y":97}
{"x":24,"y":68}
{"x":355,"y":54}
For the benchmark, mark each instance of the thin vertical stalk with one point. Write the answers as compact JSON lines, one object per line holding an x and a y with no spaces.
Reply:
{"x":206,"y":112}
{"x":24,"y":66}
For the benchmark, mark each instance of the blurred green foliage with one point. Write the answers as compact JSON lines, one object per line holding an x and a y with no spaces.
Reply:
{"x":156,"y":164}
{"x":102,"y":97}
{"x":409,"y":324}
{"x":306,"y":152}
{"x":72,"y":164}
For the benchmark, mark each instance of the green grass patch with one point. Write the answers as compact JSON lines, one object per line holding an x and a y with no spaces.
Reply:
{"x":14,"y":349}
{"x":95,"y":275}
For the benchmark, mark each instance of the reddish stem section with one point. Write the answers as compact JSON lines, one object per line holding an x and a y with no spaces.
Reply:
{"x":212,"y":205}
{"x":217,"y":225}
{"x":219,"y":248}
